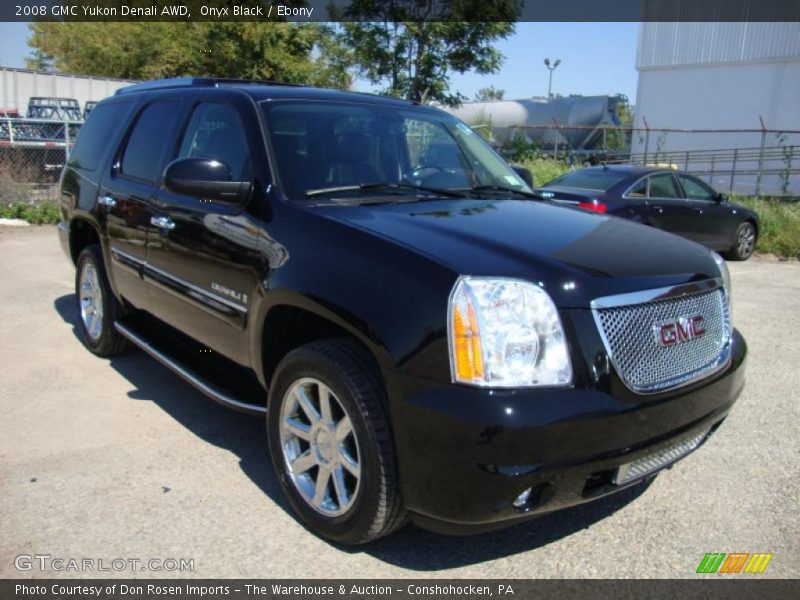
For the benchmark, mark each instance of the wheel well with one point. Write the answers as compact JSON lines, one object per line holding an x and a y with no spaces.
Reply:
{"x":81,"y":234}
{"x":288,"y":327}
{"x":754,"y":224}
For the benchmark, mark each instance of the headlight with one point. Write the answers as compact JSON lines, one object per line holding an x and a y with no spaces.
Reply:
{"x":506,"y":333}
{"x":726,"y":277}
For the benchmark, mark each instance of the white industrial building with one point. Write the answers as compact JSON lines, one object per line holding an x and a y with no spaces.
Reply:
{"x":17,"y":86}
{"x":729,"y":76}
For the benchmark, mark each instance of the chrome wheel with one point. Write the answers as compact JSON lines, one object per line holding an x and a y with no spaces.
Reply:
{"x":90,"y":296}
{"x":746,"y":241}
{"x":320,"y":448}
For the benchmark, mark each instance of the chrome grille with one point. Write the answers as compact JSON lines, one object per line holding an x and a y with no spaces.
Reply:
{"x":630,"y":333}
{"x":661,"y":458}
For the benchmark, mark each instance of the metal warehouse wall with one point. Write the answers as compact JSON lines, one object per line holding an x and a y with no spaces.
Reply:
{"x":680,"y":44}
{"x":17,"y":85}
{"x":718,"y":76}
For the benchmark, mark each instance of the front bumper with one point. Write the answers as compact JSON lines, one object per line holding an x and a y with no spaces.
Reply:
{"x":466,"y":453}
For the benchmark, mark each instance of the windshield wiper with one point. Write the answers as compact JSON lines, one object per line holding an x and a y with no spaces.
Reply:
{"x":500,"y":188}
{"x":387,"y":186}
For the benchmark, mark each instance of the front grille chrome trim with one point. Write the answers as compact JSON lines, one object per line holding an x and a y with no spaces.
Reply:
{"x":650,"y":298}
{"x":641,"y":297}
{"x":652,"y":462}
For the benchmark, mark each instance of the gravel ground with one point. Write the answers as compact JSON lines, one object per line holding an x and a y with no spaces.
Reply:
{"x":120,"y":459}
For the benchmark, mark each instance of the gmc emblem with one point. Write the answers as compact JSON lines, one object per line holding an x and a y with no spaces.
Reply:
{"x":680,"y":330}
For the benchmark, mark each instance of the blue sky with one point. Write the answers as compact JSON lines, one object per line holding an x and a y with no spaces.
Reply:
{"x":596,"y":58}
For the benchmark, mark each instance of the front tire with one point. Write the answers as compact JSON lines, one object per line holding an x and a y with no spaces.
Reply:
{"x":744,"y":242}
{"x":98,"y":308}
{"x":331,"y":444}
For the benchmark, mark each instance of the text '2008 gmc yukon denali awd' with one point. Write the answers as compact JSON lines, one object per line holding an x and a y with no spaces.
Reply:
{"x":426,"y":337}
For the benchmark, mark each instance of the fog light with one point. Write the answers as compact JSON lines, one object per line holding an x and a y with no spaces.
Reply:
{"x":522,"y":499}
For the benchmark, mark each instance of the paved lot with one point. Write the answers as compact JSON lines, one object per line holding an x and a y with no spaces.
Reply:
{"x":120,"y":459}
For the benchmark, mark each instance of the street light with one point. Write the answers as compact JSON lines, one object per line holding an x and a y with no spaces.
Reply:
{"x":551,"y":69}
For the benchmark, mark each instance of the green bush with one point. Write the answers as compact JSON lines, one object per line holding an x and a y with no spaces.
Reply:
{"x":543,"y":169}
{"x":38,"y":214}
{"x":483,"y":125}
{"x":780,"y":225}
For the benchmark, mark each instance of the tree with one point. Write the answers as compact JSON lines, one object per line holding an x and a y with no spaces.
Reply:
{"x":412,"y":46}
{"x":255,"y":50}
{"x":40,"y":61}
{"x":489,"y":93}
{"x":619,"y":138}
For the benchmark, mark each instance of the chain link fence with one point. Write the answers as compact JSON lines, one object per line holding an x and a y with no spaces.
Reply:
{"x":32,"y":154}
{"x":753,"y":162}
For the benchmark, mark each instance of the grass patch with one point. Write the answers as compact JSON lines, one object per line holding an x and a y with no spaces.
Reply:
{"x":38,"y":214}
{"x":780,"y":225}
{"x":543,"y":169}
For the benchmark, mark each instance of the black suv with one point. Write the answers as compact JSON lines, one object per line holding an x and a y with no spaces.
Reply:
{"x":425,"y":340}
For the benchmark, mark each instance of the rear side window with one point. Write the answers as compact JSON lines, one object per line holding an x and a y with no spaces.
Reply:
{"x":663,"y":186}
{"x":639,"y":190}
{"x":101,"y":129}
{"x":149,"y":140}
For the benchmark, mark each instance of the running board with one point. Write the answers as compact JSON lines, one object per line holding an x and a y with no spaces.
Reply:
{"x":189,"y":376}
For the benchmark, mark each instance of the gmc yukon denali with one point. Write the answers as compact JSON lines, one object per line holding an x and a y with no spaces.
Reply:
{"x":426,"y":339}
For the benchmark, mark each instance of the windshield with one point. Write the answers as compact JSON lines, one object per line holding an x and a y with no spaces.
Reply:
{"x":595,"y":179}
{"x":336,"y":145}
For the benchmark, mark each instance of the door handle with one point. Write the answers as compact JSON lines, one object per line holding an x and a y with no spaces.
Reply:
{"x":163,"y":223}
{"x":106,"y":201}
{"x":658,"y":209}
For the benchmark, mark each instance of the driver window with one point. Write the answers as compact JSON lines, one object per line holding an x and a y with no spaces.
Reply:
{"x":215,"y":132}
{"x":695,"y":190}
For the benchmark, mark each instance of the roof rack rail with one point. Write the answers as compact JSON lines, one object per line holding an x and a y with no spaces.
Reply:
{"x":179,"y":82}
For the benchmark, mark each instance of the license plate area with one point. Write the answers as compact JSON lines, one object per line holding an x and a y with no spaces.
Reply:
{"x":658,"y":459}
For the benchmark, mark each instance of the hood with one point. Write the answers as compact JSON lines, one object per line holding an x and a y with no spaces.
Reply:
{"x":575,"y":255}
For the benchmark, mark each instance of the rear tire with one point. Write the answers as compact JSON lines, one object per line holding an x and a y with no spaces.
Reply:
{"x":744,"y":242}
{"x":326,"y":418}
{"x":98,"y":308}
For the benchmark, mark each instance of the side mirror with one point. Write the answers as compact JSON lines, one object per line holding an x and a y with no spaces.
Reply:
{"x":722,"y":198}
{"x":205,"y":178}
{"x":524,"y":173}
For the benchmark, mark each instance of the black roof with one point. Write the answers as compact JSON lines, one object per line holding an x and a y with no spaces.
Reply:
{"x":311,"y":93}
{"x":262,"y":90}
{"x":627,"y":169}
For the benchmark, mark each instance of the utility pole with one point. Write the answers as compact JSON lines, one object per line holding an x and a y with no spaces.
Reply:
{"x":551,"y":69}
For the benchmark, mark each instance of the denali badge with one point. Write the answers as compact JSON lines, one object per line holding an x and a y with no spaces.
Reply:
{"x":229,"y":292}
{"x":680,"y":330}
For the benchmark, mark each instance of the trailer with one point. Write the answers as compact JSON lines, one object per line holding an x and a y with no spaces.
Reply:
{"x":17,"y":86}
{"x":40,"y":118}
{"x":574,"y":123}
